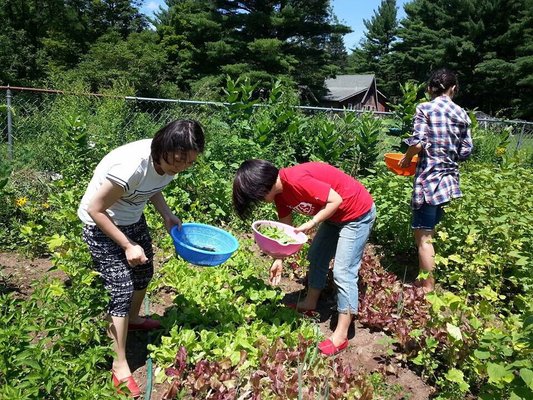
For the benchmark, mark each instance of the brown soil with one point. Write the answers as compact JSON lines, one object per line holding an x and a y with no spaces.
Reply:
{"x":17,"y":273}
{"x":367,"y":351}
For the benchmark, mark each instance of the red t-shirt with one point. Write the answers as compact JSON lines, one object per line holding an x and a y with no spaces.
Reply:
{"x":306,"y":188}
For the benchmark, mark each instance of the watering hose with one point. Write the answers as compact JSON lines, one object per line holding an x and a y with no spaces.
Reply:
{"x":148,"y":391}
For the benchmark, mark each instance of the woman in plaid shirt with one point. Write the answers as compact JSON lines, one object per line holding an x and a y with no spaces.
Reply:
{"x":441,"y":138}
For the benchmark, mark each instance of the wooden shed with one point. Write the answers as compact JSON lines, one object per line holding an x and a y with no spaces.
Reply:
{"x":354,"y":92}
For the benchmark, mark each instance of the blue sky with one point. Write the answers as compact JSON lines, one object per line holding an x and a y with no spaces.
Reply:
{"x":353,"y":12}
{"x":349,"y":12}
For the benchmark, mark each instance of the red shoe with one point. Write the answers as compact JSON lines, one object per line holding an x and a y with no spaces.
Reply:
{"x":148,"y":324}
{"x":327,"y":347}
{"x":307,"y":313}
{"x":130,"y":384}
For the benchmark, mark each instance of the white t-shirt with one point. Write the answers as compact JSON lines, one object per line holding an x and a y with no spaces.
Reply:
{"x":131,"y":167}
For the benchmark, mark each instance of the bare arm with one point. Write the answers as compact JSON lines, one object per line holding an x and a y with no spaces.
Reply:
{"x":105,"y":197}
{"x":160,"y":204}
{"x":409,"y":154}
{"x":332,"y":204}
{"x":286,"y":220}
{"x":277,"y":266}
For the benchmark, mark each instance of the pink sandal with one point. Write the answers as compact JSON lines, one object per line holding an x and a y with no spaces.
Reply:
{"x":130,"y":384}
{"x":327,"y":347}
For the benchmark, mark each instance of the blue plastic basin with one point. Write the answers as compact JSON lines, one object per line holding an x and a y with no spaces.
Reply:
{"x":202,"y":244}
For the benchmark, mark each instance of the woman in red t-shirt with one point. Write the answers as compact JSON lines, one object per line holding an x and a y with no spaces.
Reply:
{"x":342,"y":209}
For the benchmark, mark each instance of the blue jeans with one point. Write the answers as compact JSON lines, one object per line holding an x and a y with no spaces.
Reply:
{"x":346,"y":242}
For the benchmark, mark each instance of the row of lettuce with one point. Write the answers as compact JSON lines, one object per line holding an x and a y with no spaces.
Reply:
{"x":477,"y":339}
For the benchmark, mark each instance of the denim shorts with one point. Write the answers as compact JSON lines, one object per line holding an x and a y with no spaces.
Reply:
{"x":346,"y":242}
{"x":427,"y":216}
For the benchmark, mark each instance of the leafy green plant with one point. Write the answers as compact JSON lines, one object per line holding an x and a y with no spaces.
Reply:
{"x":490,"y":146}
{"x":405,"y":109}
{"x":392,"y":195}
{"x":273,"y":232}
{"x":294,"y":373}
{"x":504,"y":359}
{"x":53,"y":346}
{"x":75,"y":153}
{"x":219,"y":313}
{"x":240,"y":98}
{"x":329,"y":143}
{"x":7,"y":204}
{"x":384,"y":390}
{"x":478,"y":246}
{"x":367,"y":131}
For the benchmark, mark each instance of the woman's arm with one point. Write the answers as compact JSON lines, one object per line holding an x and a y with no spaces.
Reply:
{"x":105,"y":197}
{"x":286,"y":220}
{"x":409,"y":154}
{"x":418,"y":139}
{"x":332,"y":204}
{"x":276,"y":268}
{"x":160,"y":204}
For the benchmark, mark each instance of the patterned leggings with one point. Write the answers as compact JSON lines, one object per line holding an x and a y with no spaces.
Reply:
{"x":109,"y":259}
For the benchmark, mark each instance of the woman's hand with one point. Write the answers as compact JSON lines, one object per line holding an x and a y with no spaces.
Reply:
{"x":171,"y":220}
{"x":305,"y":227}
{"x":409,"y":154}
{"x":404,"y":162}
{"x":135,"y":255}
{"x":275,"y":272}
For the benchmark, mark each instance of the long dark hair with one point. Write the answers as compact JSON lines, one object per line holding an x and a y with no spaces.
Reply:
{"x":179,"y":136}
{"x":253,"y":181}
{"x":441,"y":80}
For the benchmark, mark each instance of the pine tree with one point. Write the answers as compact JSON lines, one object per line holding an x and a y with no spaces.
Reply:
{"x":373,"y":55}
{"x":485,"y":41}
{"x":523,"y":101}
{"x":294,"y":40}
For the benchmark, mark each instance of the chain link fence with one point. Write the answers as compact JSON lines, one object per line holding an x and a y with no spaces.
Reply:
{"x":27,"y":114}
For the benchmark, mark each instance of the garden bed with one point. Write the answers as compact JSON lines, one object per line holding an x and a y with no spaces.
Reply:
{"x":369,"y":351}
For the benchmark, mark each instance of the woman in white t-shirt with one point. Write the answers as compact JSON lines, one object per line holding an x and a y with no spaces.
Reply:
{"x":116,"y":231}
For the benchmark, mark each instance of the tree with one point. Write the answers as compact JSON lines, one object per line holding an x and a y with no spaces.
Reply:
{"x":523,"y":100}
{"x":138,"y":60}
{"x":485,"y":41}
{"x":49,"y":35}
{"x":292,"y":40}
{"x":373,"y":55}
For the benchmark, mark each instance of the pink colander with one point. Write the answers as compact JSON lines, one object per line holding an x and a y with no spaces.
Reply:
{"x":274,"y":248}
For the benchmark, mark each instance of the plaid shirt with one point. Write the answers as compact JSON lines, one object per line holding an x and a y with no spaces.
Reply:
{"x":443,"y":130}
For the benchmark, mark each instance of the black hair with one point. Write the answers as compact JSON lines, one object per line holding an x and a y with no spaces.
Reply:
{"x":179,"y":136}
{"x":253,"y":181}
{"x":441,"y":80}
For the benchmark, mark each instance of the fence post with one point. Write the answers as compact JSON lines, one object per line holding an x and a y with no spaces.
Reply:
{"x":9,"y":126}
{"x":520,"y":138}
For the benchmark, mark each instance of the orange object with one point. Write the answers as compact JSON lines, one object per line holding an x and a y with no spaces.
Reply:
{"x":130,"y":384}
{"x":392,"y":159}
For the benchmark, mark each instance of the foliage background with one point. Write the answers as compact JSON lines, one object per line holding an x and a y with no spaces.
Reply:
{"x":476,"y":333}
{"x":188,"y":49}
